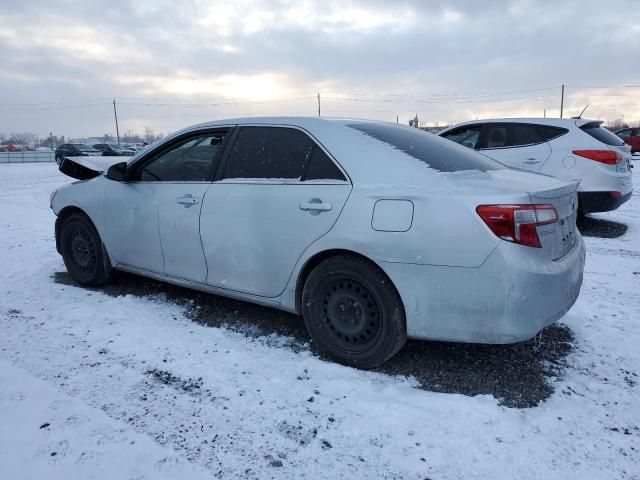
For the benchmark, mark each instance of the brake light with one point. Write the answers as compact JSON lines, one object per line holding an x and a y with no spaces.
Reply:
{"x":608,"y":157}
{"x":518,"y":223}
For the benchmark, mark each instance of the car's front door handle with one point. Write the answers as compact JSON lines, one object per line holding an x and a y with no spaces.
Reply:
{"x":187,"y":200}
{"x":315,"y":206}
{"x":531,"y":161}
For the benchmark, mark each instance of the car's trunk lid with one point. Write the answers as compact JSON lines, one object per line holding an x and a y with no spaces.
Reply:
{"x":507,"y":186}
{"x":559,"y":238}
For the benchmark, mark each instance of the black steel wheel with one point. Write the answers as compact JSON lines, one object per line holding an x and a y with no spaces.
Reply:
{"x":353,"y":312}
{"x":83,"y":252}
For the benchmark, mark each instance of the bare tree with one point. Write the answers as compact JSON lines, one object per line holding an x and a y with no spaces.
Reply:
{"x":149,"y":136}
{"x":617,"y":124}
{"x":23,"y":138}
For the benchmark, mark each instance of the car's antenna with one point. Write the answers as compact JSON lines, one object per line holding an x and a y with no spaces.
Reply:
{"x":580,"y":116}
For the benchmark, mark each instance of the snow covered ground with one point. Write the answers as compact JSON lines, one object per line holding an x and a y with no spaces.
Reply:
{"x":124,"y":383}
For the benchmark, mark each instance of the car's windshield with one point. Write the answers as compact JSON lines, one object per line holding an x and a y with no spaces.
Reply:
{"x":436,"y":152}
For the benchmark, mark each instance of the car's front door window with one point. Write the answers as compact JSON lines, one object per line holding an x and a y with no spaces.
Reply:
{"x":191,"y":160}
{"x":466,"y":136}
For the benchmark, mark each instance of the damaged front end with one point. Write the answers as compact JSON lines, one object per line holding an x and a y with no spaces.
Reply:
{"x":85,"y":168}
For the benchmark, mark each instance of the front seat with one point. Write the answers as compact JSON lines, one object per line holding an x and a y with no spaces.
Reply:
{"x":496,"y":139}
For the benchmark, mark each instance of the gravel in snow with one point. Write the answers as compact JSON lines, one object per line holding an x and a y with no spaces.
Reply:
{"x":145,"y":380}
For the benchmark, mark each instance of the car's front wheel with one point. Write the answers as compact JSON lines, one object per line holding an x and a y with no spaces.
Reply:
{"x":83,"y":253}
{"x":353,"y":312}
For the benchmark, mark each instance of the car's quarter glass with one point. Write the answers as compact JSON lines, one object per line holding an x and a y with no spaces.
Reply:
{"x":155,"y":213}
{"x":258,"y":219}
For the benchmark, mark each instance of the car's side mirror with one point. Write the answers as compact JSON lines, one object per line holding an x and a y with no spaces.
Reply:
{"x":117,"y":172}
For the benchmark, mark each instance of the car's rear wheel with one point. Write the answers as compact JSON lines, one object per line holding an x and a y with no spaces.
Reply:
{"x":353,"y":312}
{"x":83,"y":253}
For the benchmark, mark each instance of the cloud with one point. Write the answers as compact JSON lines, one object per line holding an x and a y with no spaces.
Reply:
{"x":444,"y":60}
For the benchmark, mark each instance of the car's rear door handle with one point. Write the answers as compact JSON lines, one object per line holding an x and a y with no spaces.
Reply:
{"x":315,"y":206}
{"x":531,"y":161}
{"x":187,"y":200}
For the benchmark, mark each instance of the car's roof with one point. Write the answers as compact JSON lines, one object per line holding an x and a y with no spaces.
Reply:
{"x":366,"y":160}
{"x":554,"y":122}
{"x":303,"y":122}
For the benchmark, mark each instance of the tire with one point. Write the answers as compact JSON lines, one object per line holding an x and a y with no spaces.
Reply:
{"x":58,"y":160}
{"x":353,"y":312}
{"x":83,"y":252}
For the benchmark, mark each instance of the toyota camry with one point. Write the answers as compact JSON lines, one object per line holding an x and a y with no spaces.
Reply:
{"x":372,"y":232}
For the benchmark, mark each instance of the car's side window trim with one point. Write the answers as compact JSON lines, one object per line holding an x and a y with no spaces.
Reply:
{"x":485,"y":127}
{"x":150,"y":156}
{"x":262,"y":181}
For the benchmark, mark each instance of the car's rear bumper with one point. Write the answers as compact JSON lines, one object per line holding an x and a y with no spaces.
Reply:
{"x":510,"y":298}
{"x":592,"y":202}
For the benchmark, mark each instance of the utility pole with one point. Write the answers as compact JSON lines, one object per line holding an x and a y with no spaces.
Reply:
{"x":397,"y":118}
{"x":318,"y":103}
{"x":51,"y":140}
{"x":545,"y":113}
{"x":115,"y":114}
{"x":562,"y":101}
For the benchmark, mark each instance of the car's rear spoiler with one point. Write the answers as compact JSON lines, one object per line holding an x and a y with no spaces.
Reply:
{"x":84,"y":168}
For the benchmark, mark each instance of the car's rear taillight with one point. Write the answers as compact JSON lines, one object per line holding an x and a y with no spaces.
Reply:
{"x":518,"y":223}
{"x":608,"y":157}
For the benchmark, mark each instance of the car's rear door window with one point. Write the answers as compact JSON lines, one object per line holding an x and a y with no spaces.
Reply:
{"x":278,"y":153}
{"x":321,"y":167}
{"x":503,"y":135}
{"x":438,"y":153}
{"x":602,"y":134}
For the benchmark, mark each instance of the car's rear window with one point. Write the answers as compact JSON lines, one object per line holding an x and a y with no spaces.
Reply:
{"x":602,"y":134}
{"x":438,"y":153}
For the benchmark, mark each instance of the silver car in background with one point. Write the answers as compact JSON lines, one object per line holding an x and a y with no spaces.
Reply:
{"x":374,"y":232}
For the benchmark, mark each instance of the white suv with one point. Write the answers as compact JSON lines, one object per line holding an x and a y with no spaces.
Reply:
{"x":571,"y":149}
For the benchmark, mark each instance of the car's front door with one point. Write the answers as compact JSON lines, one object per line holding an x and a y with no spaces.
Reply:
{"x":517,"y":145}
{"x":277,"y":194}
{"x":154,"y":216}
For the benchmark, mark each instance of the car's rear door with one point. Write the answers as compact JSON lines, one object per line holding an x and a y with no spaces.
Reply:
{"x":154,"y":217}
{"x":517,"y":145}
{"x":277,"y":193}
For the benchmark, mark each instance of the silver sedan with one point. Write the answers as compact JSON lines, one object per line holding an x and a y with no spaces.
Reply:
{"x":373,"y":232}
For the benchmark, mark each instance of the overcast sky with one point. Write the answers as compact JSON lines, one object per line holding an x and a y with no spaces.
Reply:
{"x":173,"y":63}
